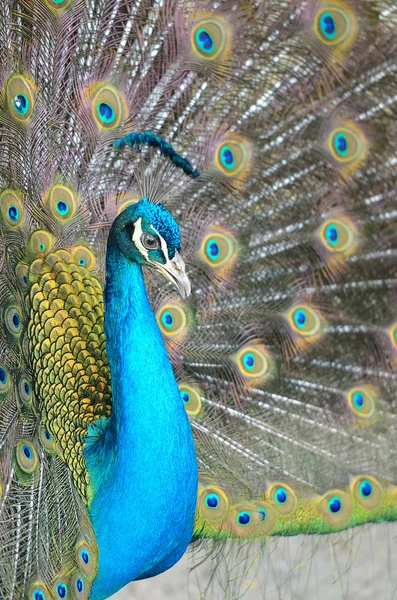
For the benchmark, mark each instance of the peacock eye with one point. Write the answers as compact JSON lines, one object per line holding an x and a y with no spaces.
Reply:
{"x":149,"y":241}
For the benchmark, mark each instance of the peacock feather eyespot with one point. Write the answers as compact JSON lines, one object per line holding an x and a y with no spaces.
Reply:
{"x":109,"y":106}
{"x":62,"y":202}
{"x":47,"y":440}
{"x":22,"y":274}
{"x":336,"y":508}
{"x":21,"y":96}
{"x":393,"y":335}
{"x":211,"y":38}
{"x":13,"y":320}
{"x":38,"y":591}
{"x":84,"y":257}
{"x":254,"y":364}
{"x":173,"y":320}
{"x":335,"y":25}
{"x":362,"y":402}
{"x":4,"y":379}
{"x":26,"y":457}
{"x":219,"y":250}
{"x":244,"y":520}
{"x":79,"y":587}
{"x":305,"y":321}
{"x":367,"y":491}
{"x":282,"y":498}
{"x":233,"y":157}
{"x":11,"y":207}
{"x":213,"y":503}
{"x":191,"y":398}
{"x":61,"y":590}
{"x":58,"y":5}
{"x":40,"y":243}
{"x":25,"y":392}
{"x":267,"y":518}
{"x":86,"y":559}
{"x":339,"y":235}
{"x":348,"y":146}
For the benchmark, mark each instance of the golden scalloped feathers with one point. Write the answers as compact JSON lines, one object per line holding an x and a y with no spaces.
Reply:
{"x":232,"y":159}
{"x":11,"y":207}
{"x":108,"y":105}
{"x":254,"y":364}
{"x":20,"y":93}
{"x":346,"y":146}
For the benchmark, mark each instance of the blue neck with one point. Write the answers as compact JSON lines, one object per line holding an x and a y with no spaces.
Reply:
{"x":143,"y":470}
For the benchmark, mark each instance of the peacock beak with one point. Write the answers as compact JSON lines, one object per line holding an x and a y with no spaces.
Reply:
{"x":174,"y":271}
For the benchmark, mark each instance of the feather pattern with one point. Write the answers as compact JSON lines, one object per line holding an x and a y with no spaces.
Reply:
{"x":268,"y":130}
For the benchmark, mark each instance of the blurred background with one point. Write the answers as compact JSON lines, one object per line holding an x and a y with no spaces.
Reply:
{"x":358,"y":564}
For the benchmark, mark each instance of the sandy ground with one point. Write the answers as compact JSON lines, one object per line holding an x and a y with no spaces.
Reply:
{"x":360,"y":565}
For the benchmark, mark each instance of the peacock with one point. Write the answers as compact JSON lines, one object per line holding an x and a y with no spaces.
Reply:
{"x":198,"y":282}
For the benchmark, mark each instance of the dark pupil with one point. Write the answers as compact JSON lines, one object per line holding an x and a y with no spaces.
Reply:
{"x":359,"y":399}
{"x":301,"y":318}
{"x":212,"y":502}
{"x":342,"y":144}
{"x":281,"y":496}
{"x":168,"y":319}
{"x":27,"y":388}
{"x":250,"y":361}
{"x":27,"y":452}
{"x":47,"y":434}
{"x":85,"y":557}
{"x":329,"y":25}
{"x":3,"y":376}
{"x":333,"y":234}
{"x":62,"y":206}
{"x":38,"y":596}
{"x":15,"y":319}
{"x":214,"y":250}
{"x":20,"y":102}
{"x":150,"y":241}
{"x":13,"y":213}
{"x":335,"y":506}
{"x":366,"y":489}
{"x":185,"y":397}
{"x":228,"y":156}
{"x":80,"y":585}
{"x":25,"y":278}
{"x":61,"y":591}
{"x":206,"y":40}
{"x":244,"y":519}
{"x":105,"y":110}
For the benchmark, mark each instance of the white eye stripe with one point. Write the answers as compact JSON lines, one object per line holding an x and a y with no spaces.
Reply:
{"x":163,"y":243}
{"x":136,"y":238}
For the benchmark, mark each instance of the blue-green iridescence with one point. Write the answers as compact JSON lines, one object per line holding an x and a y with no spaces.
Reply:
{"x":62,"y":590}
{"x":227,"y":157}
{"x":106,"y":112}
{"x":249,"y":361}
{"x":13,"y":213}
{"x":167,"y":319}
{"x":85,"y":556}
{"x":38,"y":595}
{"x":281,"y":496}
{"x":185,"y":397}
{"x":244,"y":518}
{"x":366,"y":488}
{"x":212,"y":249}
{"x":340,"y":144}
{"x":16,"y":320}
{"x":331,"y":233}
{"x":212,"y":501}
{"x":328,"y":26}
{"x":204,"y":41}
{"x":27,"y":452}
{"x":335,"y":505}
{"x":3,"y":376}
{"x":358,"y":400}
{"x":300,"y":318}
{"x":21,"y":104}
{"x":263,"y":513}
{"x":62,"y":208}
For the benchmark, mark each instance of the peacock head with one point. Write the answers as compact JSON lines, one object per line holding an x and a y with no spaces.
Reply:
{"x":148,"y":234}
